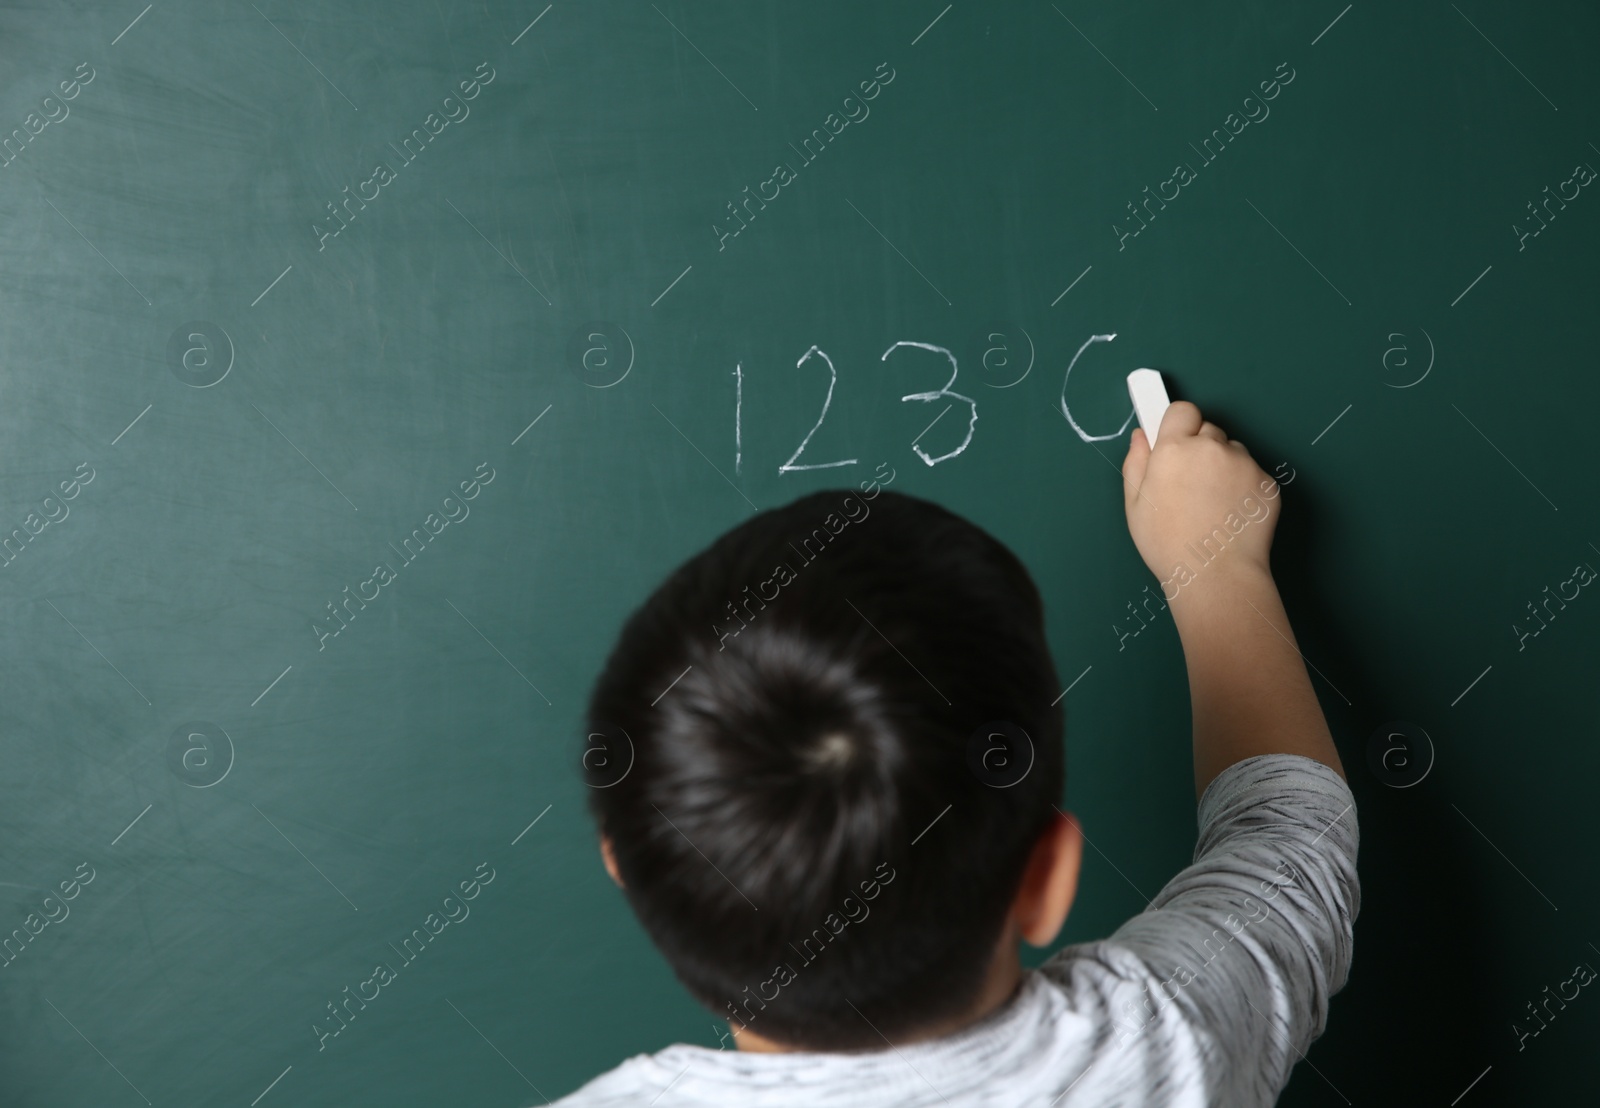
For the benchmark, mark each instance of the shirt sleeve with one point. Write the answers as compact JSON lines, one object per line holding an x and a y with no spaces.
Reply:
{"x":1234,"y":961}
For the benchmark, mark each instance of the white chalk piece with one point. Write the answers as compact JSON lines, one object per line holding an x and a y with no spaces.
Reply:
{"x":1149,"y":400}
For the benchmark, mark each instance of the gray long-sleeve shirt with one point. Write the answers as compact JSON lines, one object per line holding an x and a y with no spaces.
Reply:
{"x":1207,"y":997}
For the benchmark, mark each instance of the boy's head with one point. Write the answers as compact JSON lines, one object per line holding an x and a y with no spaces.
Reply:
{"x":819,"y":827}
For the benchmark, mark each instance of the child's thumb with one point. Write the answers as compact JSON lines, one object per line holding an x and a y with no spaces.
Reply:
{"x":1133,"y":466}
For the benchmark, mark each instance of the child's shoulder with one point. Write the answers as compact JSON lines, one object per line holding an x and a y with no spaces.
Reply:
{"x":638,"y":1079}
{"x":614,"y":1088}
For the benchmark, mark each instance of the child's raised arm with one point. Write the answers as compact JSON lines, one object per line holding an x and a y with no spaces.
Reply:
{"x":1202,"y":514}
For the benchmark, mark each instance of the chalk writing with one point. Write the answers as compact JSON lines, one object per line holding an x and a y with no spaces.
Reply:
{"x":833,"y":377}
{"x":738,"y":406}
{"x":1066,"y":411}
{"x":945,"y":392}
{"x":929,"y":397}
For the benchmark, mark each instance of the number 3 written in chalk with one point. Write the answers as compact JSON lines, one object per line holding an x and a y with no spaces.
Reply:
{"x":945,"y":392}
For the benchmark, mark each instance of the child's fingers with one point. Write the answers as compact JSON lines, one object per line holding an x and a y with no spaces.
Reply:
{"x":1182,"y":419}
{"x":1133,"y":466}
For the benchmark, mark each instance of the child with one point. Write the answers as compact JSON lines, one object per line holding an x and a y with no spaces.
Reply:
{"x":839,"y":821}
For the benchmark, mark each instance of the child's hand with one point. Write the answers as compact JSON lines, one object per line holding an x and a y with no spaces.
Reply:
{"x":1197,"y":500}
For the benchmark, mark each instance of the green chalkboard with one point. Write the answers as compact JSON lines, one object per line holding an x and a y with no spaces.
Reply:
{"x":362,"y":366}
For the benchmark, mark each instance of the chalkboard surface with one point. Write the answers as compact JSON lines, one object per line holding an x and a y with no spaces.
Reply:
{"x":363,"y":365}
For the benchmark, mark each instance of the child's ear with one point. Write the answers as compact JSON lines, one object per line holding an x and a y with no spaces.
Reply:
{"x":1050,"y":881}
{"x":610,"y":860}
